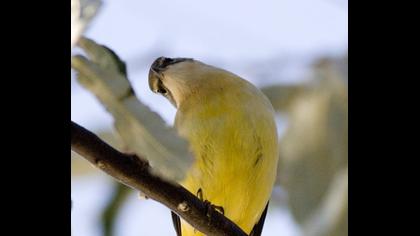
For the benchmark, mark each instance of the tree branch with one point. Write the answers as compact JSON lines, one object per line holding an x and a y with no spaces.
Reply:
{"x":136,"y":173}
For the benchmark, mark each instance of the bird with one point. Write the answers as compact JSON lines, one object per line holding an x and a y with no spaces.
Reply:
{"x":231,"y":129}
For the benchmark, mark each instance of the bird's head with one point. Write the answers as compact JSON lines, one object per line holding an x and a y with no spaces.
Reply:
{"x":178,"y":78}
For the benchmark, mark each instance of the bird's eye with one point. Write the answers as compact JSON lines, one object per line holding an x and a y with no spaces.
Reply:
{"x":161,"y":90}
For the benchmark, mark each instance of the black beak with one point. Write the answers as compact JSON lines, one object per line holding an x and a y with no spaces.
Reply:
{"x":156,"y":76}
{"x":155,"y":72}
{"x":162,"y":63}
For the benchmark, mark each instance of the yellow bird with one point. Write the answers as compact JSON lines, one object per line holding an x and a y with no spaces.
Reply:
{"x":232,"y":132}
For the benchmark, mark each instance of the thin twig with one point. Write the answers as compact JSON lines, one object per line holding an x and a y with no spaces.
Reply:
{"x":136,"y":173}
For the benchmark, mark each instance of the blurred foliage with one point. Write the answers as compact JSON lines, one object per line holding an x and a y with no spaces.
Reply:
{"x":82,"y":12}
{"x":315,"y":146}
{"x":110,"y":212}
{"x":282,"y":96}
{"x":143,"y":131}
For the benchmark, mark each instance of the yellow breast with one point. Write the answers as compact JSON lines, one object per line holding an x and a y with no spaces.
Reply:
{"x":233,"y":135}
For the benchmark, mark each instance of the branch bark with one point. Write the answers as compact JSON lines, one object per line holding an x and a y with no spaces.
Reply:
{"x":136,"y":173}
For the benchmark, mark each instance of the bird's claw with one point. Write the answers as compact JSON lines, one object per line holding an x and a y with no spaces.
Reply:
{"x":209,"y":206}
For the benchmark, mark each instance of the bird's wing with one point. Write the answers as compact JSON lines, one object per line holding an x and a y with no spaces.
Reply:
{"x":177,"y":223}
{"x":258,"y":227}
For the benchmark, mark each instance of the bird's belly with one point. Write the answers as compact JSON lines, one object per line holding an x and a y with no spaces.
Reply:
{"x":236,"y":157}
{"x":242,"y":189}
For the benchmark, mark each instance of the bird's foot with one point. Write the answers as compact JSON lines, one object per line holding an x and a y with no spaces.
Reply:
{"x":209,"y":206}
